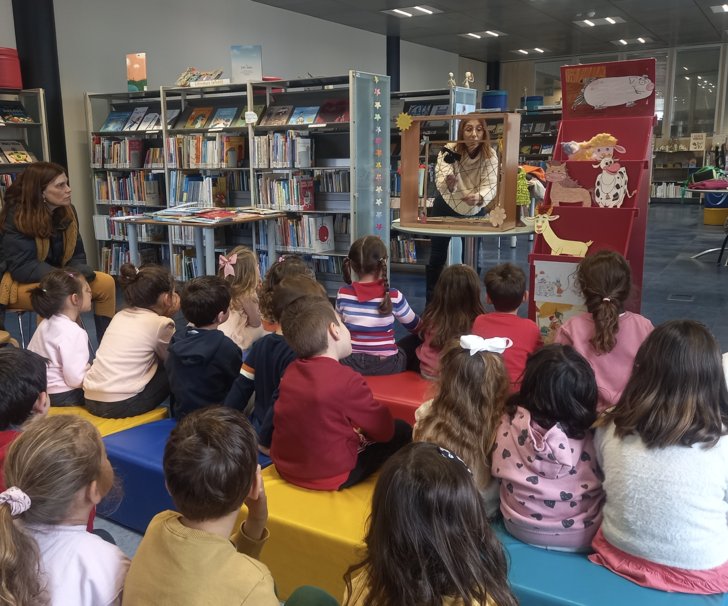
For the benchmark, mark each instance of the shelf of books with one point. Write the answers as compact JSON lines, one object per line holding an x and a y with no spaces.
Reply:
{"x":318,"y":153}
{"x":538,"y":136}
{"x":23,"y":132}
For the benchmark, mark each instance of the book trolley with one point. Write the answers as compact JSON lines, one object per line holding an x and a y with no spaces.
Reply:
{"x":604,"y":142}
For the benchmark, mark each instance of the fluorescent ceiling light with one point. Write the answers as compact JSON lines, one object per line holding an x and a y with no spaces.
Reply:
{"x":610,"y":20}
{"x":641,"y":40}
{"x":687,"y":77}
{"x":474,"y":36}
{"x":538,"y":50}
{"x":700,"y":77}
{"x":685,"y":68}
{"x":589,"y":23}
{"x":523,"y":52}
{"x":719,"y":8}
{"x":492,"y":33}
{"x":401,"y":12}
{"x":623,"y":41}
{"x":725,"y":8}
{"x":427,"y":11}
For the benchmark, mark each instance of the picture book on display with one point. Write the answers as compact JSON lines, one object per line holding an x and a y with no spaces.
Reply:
{"x":333,"y":110}
{"x":223,"y":117}
{"x":277,"y":115}
{"x":15,"y":152}
{"x":304,"y":115}
{"x":198,"y":117}
{"x":115,"y":121}
{"x":172,"y":116}
{"x":150,"y":122}
{"x":13,"y":112}
{"x":439,"y":110}
{"x":547,"y":148}
{"x":415,"y":108}
{"x":136,"y":118}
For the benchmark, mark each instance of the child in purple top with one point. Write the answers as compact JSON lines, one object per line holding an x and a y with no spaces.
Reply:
{"x":551,"y":487}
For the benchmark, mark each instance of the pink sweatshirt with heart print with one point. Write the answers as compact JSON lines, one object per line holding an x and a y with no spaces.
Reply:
{"x":551,"y":488}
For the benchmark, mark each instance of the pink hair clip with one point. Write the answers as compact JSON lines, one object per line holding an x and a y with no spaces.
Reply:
{"x":227,"y":264}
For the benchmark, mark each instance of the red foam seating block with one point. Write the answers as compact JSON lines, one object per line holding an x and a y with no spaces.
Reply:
{"x":401,"y":393}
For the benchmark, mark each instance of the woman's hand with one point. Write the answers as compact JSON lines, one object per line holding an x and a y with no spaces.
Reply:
{"x":450,"y":181}
{"x":472,"y":199}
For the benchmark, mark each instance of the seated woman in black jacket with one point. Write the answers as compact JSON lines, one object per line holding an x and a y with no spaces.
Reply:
{"x":39,"y":232}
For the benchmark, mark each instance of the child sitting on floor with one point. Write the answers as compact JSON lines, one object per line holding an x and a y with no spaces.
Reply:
{"x":330,"y":433}
{"x":505,"y":287}
{"x":202,"y":363}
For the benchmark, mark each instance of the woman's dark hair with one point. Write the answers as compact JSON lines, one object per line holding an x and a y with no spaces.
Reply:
{"x":49,"y":297}
{"x":677,"y":392}
{"x":368,"y":255}
{"x":25,"y":198}
{"x":483,"y":148}
{"x":143,"y":285}
{"x":429,"y":537}
{"x":455,"y":305}
{"x":605,"y":280}
{"x":558,"y":386}
{"x":288,"y":265}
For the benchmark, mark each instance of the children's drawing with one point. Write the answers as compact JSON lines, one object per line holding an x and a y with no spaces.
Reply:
{"x":599,"y":146}
{"x":611,"y":184}
{"x":610,"y":92}
{"x":555,"y":281}
{"x":550,"y":316}
{"x":564,"y":190}
{"x":559,"y":246}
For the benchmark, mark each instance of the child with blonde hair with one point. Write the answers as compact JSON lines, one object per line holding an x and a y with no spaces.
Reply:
{"x":127,"y":377}
{"x":606,"y":334}
{"x":470,"y":401}
{"x":239,"y":268}
{"x":60,"y":299}
{"x":57,"y":471}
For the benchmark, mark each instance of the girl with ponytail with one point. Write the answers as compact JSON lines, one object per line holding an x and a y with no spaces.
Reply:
{"x":606,"y":335}
{"x":369,"y":306}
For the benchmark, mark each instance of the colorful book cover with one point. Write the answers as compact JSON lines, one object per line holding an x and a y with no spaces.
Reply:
{"x":136,"y":118}
{"x":547,"y":148}
{"x":418,"y":109}
{"x":233,"y":151}
{"x":277,"y":115}
{"x":306,"y":193}
{"x":15,"y":152}
{"x":536,"y":148}
{"x":198,"y":117}
{"x":333,"y":110}
{"x":172,"y":115}
{"x":136,"y":72}
{"x":247,"y":63}
{"x":115,"y":121}
{"x":13,"y":112}
{"x":223,"y":117}
{"x":304,"y":115}
{"x":151,"y":121}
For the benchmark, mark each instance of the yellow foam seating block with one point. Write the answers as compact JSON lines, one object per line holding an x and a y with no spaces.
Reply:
{"x":314,"y":536}
{"x":108,"y":426}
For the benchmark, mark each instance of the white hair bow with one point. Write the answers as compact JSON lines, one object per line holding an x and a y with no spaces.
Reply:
{"x":476,"y":344}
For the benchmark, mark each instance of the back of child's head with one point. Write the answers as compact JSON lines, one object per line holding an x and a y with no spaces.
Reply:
{"x":305,"y":324}
{"x":143,"y":285}
{"x":559,"y":386}
{"x":677,"y":393}
{"x":47,"y":465}
{"x":470,"y":400}
{"x":239,"y":268}
{"x":428,"y":538}
{"x":455,"y":305}
{"x":605,"y":281}
{"x":210,"y":462}
{"x":505,"y":285}
{"x":204,"y":298}
{"x":368,"y":255}
{"x":291,"y":288}
{"x":23,"y":377}
{"x":50,"y":296}
{"x":290,"y":265}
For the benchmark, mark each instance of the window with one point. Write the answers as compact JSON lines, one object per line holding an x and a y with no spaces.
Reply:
{"x":694,"y":95}
{"x":660,"y":82}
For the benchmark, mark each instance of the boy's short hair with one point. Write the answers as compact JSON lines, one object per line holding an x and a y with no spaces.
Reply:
{"x":23,"y":376}
{"x":505,"y":285}
{"x":291,"y":288}
{"x":204,"y":298}
{"x":210,"y":462}
{"x":305,"y":324}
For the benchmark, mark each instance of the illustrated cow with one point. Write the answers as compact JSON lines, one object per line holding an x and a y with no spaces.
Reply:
{"x":611,"y":184}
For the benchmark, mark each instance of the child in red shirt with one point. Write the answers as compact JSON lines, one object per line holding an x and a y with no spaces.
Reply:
{"x":330,"y":433}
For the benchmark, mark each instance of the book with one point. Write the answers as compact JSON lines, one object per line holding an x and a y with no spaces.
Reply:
{"x":246,"y":62}
{"x":322,"y":236}
{"x":304,"y":115}
{"x":332,"y":111}
{"x":536,"y":148}
{"x":440,"y":109}
{"x":526,"y":127}
{"x":415,"y":108}
{"x":13,"y":112}
{"x":306,"y":193}
{"x":150,"y":122}
{"x":136,"y":72}
{"x":136,"y":118}
{"x":277,"y":115}
{"x":16,"y":153}
{"x":233,"y":151}
{"x":525,"y":149}
{"x":115,"y":121}
{"x":223,"y":117}
{"x":539,"y":127}
{"x":547,"y":148}
{"x":198,"y":117}
{"x":172,"y":115}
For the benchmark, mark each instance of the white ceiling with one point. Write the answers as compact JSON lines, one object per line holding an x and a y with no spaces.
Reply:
{"x":546,"y":24}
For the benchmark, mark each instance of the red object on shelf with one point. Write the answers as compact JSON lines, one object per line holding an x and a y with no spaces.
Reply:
{"x":10,"y":69}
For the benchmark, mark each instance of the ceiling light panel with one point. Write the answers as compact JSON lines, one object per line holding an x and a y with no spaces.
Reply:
{"x":720,"y":8}
{"x":595,"y":21}
{"x":419,"y":10}
{"x":530,"y":51}
{"x":489,"y":34}
{"x":630,"y":41}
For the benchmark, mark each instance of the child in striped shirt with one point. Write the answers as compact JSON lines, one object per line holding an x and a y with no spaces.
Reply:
{"x":369,"y":307}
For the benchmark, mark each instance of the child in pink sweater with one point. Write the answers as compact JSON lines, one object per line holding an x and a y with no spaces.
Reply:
{"x":606,"y":335}
{"x":551,"y":487}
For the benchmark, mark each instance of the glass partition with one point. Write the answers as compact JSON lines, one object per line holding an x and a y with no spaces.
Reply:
{"x":694,"y":95}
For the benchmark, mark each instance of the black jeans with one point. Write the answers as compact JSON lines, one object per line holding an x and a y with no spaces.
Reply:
{"x":74,"y":397}
{"x":154,"y":393}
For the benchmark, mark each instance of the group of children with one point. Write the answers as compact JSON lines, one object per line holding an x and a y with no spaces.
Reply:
{"x":511,"y":427}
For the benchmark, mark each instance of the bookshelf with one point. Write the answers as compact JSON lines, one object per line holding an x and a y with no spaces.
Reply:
{"x":672,"y":164}
{"x":319,"y":152}
{"x":23,"y":132}
{"x":538,"y":136}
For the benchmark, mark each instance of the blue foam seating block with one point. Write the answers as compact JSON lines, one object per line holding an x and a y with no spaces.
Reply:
{"x":136,"y":455}
{"x":552,"y":578}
